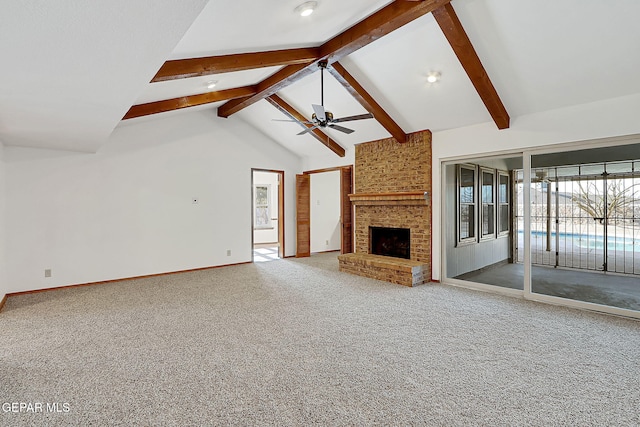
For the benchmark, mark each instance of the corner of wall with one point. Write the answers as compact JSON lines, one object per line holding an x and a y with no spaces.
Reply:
{"x":132,"y":214}
{"x":3,"y":276}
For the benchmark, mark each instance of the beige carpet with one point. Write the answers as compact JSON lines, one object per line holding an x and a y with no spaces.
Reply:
{"x":295,"y":342}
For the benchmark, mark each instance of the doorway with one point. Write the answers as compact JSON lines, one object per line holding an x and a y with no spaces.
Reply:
{"x":332,"y":229}
{"x":267,"y":214}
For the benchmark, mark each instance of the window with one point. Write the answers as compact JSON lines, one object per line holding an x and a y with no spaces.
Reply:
{"x":466,"y":203}
{"x":503,"y":203}
{"x":261,"y":202}
{"x":483,"y":197}
{"x":487,"y":198}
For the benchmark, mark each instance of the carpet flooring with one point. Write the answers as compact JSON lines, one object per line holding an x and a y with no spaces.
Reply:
{"x":296,"y":342}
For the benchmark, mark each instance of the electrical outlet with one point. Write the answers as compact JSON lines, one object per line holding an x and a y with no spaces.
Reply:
{"x":47,"y":272}
{"x":228,"y":252}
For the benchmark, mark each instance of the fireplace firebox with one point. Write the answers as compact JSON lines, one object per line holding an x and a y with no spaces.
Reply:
{"x":393,"y":242}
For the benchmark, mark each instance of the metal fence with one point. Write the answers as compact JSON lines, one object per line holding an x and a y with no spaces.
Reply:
{"x":584,"y":216}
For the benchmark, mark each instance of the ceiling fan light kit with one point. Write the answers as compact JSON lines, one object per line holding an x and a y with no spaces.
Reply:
{"x":306,"y":8}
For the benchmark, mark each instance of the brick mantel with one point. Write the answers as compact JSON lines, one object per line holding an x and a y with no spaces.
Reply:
{"x":401,"y":198}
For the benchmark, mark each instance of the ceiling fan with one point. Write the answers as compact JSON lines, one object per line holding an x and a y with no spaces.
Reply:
{"x":322,"y":118}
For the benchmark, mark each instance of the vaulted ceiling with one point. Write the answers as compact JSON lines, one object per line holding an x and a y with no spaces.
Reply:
{"x":73,"y":71}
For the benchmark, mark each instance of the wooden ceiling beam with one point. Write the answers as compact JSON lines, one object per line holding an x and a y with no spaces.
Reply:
{"x":195,"y":67}
{"x":267,"y":87}
{"x":366,"y":100}
{"x":381,"y":23}
{"x":291,"y":112}
{"x":187,"y":101}
{"x":448,"y":21}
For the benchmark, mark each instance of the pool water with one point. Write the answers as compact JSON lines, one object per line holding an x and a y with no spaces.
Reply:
{"x":614,"y":243}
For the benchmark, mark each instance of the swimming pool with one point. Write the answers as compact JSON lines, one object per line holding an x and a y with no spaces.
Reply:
{"x":587,"y":241}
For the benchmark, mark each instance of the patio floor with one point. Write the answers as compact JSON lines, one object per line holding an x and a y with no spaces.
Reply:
{"x":615,"y":290}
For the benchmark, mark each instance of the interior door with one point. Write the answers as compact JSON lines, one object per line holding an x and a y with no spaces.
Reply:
{"x":346,"y":210}
{"x":303,"y":215}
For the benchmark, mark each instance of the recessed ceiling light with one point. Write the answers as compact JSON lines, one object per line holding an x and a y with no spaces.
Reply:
{"x":306,"y":8}
{"x":211,"y":84}
{"x":433,"y":76}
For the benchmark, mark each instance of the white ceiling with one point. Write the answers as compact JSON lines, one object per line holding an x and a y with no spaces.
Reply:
{"x":239,"y":26}
{"x":72,"y":69}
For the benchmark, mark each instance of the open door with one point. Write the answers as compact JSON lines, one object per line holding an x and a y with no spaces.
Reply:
{"x":267,"y":238}
{"x":346,"y":210}
{"x":303,"y":215}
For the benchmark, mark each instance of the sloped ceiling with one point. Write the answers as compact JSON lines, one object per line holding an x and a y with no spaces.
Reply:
{"x":71,"y":69}
{"x":80,"y":67}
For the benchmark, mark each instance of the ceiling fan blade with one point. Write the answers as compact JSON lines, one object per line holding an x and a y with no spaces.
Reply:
{"x":351,"y":118}
{"x":291,"y":121}
{"x":320,"y":114}
{"x":307,"y":130}
{"x":341,"y":128}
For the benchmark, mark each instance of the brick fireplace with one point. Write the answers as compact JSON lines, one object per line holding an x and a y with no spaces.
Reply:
{"x":392,"y":191}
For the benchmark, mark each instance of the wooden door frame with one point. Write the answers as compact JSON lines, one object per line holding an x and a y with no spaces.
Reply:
{"x":280,"y":173}
{"x":343,"y":196}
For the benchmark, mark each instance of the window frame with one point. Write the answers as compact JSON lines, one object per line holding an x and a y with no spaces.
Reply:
{"x":473,"y":238}
{"x":500,"y":204}
{"x":256,"y":206}
{"x":481,"y":202}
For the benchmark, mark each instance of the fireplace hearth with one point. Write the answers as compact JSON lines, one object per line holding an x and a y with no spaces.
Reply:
{"x":392,"y":211}
{"x":393,"y":242}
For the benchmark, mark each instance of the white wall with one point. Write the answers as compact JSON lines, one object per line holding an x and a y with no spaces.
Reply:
{"x":610,"y":118}
{"x":3,"y":228}
{"x":127,"y":210}
{"x":325,"y":211}
{"x":330,"y":160}
{"x":270,"y":235}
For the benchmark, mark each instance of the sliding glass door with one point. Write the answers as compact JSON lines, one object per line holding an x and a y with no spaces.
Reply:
{"x":559,"y":226}
{"x":479,"y":230}
{"x":585,"y":227}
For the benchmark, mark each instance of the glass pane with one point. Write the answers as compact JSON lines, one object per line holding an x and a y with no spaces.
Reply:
{"x":262,"y":196}
{"x":487,"y":260}
{"x":587,"y":227}
{"x":503,"y":189}
{"x":487,"y":187}
{"x":467,"y":224}
{"x":467,"y":183}
{"x":504,"y":218}
{"x":262,"y":216}
{"x":568,"y":171}
{"x":487,"y":220}
{"x":551,"y":173}
{"x":592,"y":169}
{"x":621,"y":167}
